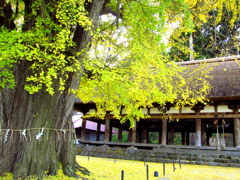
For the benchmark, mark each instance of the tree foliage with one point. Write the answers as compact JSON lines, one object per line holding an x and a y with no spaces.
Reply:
{"x":115,"y":49}
{"x":135,"y":70}
{"x":216,"y":36}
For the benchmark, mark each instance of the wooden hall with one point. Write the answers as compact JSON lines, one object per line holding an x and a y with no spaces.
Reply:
{"x":215,"y":125}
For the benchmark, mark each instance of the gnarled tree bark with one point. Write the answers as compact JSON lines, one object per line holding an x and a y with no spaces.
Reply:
{"x":37,"y":134}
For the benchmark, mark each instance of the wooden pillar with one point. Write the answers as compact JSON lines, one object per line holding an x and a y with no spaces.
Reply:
{"x":187,"y":137}
{"x":110,"y":131}
{"x":198,"y":124}
{"x":83,"y":129}
{"x":139,"y":132}
{"x":129,"y":135}
{"x":133,"y":134}
{"x":98,"y":131}
{"x":160,"y":132}
{"x":183,"y":134}
{"x":236,"y":123}
{"x":120,"y":133}
{"x":172,"y":131}
{"x":144,"y":136}
{"x":208,"y":135}
{"x":203,"y":136}
{"x":107,"y":129}
{"x":164,"y":132}
{"x":198,"y":132}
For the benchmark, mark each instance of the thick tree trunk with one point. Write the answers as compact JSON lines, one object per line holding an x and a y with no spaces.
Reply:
{"x":37,"y":135}
{"x":38,"y":132}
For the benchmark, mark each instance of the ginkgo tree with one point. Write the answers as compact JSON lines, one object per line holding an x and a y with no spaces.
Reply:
{"x":210,"y":39}
{"x":215,"y":32}
{"x":53,"y":50}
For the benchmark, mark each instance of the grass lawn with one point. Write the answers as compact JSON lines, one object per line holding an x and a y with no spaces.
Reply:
{"x":108,"y":169}
{"x":102,"y":169}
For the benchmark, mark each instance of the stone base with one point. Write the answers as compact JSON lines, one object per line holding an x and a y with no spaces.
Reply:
{"x":184,"y":156}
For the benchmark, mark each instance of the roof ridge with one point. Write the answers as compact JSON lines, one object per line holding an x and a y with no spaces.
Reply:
{"x":211,"y":60}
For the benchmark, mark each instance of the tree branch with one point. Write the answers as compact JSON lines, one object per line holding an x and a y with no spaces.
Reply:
{"x":108,"y":10}
{"x":6,"y":15}
{"x":81,"y":36}
{"x":29,"y":20}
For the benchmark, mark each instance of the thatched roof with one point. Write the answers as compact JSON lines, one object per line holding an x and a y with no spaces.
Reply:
{"x":225,"y":81}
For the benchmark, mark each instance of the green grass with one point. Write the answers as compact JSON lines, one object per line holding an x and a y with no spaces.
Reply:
{"x":108,"y":169}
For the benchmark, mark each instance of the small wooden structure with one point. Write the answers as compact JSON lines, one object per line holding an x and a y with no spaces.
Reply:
{"x":199,"y":126}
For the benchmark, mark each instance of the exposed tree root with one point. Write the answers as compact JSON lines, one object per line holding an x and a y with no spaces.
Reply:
{"x":82,"y":169}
